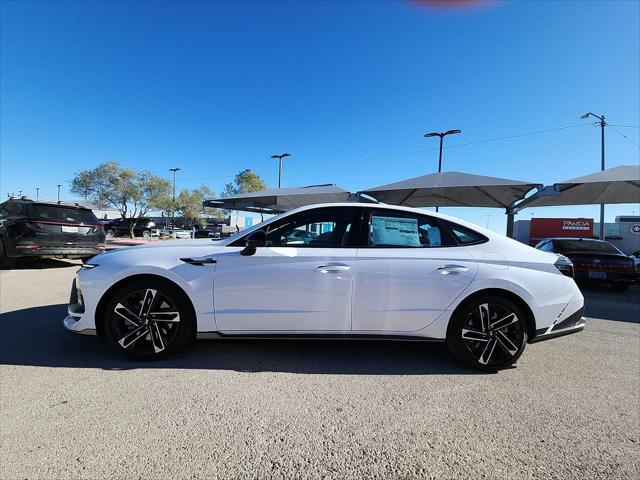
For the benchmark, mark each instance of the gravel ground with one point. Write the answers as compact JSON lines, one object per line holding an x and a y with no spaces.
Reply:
{"x":69,"y":408}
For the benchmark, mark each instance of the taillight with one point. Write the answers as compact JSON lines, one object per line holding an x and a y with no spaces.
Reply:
{"x":564,"y":265}
{"x":34,"y":226}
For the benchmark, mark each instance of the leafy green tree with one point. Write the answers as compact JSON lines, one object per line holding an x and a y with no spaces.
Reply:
{"x":189,"y":205}
{"x":133,"y":193}
{"x":245,"y":181}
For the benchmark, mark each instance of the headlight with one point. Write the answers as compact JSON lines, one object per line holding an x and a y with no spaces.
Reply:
{"x":565,"y":266}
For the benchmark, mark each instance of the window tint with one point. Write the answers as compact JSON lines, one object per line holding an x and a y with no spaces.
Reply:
{"x":547,"y":246}
{"x":399,"y":229}
{"x":464,"y":236}
{"x":587,"y":246}
{"x":322,"y":228}
{"x":62,"y":214}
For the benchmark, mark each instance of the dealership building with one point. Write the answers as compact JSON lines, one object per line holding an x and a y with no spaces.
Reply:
{"x":624,"y":233}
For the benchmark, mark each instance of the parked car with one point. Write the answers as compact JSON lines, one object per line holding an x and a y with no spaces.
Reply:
{"x":175,"y":233}
{"x":635,"y":258}
{"x":145,"y":227}
{"x":205,"y":234}
{"x":43,"y":229}
{"x":593,"y":260}
{"x":376,"y":271}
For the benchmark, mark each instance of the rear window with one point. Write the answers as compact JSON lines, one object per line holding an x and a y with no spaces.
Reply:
{"x":54,"y":213}
{"x":464,"y":236}
{"x":587,"y":246}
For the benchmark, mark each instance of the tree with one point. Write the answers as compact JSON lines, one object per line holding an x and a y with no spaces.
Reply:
{"x":245,"y":181}
{"x":132,"y":193}
{"x":189,"y":205}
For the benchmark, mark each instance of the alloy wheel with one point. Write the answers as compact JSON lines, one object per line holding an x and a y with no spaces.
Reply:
{"x":145,"y":322}
{"x":493,"y":334}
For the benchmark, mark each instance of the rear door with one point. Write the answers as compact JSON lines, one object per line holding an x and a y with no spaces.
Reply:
{"x":411,"y":270}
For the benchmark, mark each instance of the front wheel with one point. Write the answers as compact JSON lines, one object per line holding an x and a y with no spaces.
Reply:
{"x":489,"y":333}
{"x":148,"y":318}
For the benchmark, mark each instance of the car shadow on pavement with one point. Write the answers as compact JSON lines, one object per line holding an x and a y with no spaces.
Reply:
{"x":42,"y":264}
{"x":602,"y":302}
{"x":35,"y":337}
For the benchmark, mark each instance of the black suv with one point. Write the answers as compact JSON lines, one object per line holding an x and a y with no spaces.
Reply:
{"x":45,"y":229}
{"x":120,"y":227}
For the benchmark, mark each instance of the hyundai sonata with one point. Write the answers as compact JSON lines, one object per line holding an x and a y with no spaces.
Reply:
{"x":362,"y":271}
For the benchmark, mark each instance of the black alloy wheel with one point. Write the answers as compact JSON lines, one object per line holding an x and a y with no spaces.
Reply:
{"x":149,"y":319}
{"x":488,"y":333}
{"x":5,"y":260}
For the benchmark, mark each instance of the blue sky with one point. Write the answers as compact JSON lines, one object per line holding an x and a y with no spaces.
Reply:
{"x":347,"y":87}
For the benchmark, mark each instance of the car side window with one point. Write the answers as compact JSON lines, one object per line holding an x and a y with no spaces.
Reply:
{"x":465,"y":236}
{"x":321,"y":228}
{"x":394,"y":229}
{"x":546,"y":246}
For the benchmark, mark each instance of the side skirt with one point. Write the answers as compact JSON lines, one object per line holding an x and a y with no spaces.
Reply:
{"x":315,"y":336}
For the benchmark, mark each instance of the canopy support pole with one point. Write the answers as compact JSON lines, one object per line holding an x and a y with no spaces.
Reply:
{"x":511,"y":215}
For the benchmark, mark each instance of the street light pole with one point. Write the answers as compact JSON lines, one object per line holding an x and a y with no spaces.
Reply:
{"x":441,"y":135}
{"x":37,"y":192}
{"x":602,"y":125}
{"x":280,"y":157}
{"x":59,"y":192}
{"x":173,"y":218}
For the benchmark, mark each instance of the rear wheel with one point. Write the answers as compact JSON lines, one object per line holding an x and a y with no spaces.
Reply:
{"x":110,"y":233}
{"x":146,"y":234}
{"x":5,"y":260}
{"x":149,"y":318}
{"x":489,"y":333}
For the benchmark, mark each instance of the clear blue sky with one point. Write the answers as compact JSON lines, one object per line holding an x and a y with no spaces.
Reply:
{"x":216,"y":87}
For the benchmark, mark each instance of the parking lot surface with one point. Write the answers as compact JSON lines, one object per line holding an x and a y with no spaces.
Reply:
{"x":70,"y":408}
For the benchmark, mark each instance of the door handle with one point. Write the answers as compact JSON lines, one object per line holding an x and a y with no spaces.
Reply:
{"x":333,"y":268}
{"x":447,"y":269}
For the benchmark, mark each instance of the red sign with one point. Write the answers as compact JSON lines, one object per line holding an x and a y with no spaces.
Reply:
{"x":542,"y":228}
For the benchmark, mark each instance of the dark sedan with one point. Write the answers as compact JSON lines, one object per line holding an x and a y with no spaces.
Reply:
{"x":593,"y":260}
{"x":47,"y":229}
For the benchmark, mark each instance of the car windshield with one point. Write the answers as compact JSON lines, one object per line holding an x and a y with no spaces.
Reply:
{"x":587,"y":246}
{"x":54,"y":213}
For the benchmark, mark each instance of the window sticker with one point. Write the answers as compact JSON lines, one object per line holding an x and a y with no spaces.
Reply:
{"x":395,"y":231}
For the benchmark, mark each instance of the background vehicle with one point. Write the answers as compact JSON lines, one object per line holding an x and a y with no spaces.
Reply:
{"x":593,"y":260}
{"x":635,"y":258}
{"x":176,"y":233}
{"x":375,"y":271}
{"x":205,"y":234}
{"x":44,"y":229}
{"x":145,"y":227}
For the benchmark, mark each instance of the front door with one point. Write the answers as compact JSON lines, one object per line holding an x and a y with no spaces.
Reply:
{"x":410,"y":272}
{"x":300,"y":282}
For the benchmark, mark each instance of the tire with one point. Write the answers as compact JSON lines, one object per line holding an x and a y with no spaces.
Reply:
{"x":110,"y":233}
{"x":488,"y":346}
{"x":5,"y":260}
{"x":146,"y":234}
{"x":620,"y":287}
{"x":139,"y":336}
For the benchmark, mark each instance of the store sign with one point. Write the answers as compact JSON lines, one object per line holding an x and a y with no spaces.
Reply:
{"x":542,"y":228}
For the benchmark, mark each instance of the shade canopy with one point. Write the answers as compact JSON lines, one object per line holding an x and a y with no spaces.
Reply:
{"x":281,"y":199}
{"x":452,"y":189}
{"x":614,"y":185}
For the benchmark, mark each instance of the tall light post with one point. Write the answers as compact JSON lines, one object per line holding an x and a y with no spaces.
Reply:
{"x":280,"y":157}
{"x":173,"y":219}
{"x":602,"y":125}
{"x":37,"y":192}
{"x":59,"y":192}
{"x":441,"y":135}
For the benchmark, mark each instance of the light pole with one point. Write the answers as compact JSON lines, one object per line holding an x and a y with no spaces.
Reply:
{"x":59,"y":192}
{"x":280,"y":157}
{"x":602,"y":125}
{"x":173,"y":219}
{"x":37,"y":192}
{"x":441,"y":135}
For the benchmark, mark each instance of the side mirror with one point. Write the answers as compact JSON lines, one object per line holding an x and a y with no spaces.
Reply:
{"x":254,"y":240}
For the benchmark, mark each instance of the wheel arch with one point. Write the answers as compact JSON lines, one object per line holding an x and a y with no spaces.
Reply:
{"x":530,"y":320}
{"x":99,"y":312}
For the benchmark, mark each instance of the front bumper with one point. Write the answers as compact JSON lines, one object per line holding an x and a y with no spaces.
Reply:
{"x":572,"y":324}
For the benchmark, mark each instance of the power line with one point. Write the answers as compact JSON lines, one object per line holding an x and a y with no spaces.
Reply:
{"x":404,"y":154}
{"x":623,"y":126}
{"x":637,"y":145}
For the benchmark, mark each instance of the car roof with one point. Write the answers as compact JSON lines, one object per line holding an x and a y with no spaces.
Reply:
{"x":60,"y":203}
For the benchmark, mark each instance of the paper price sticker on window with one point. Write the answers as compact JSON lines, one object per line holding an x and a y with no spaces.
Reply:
{"x":395,"y":231}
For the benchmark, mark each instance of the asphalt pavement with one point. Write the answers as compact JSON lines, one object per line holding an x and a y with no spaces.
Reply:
{"x":72,"y":409}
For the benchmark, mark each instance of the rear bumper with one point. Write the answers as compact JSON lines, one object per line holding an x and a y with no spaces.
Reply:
{"x":611,"y":276}
{"x":572,"y":324}
{"x":49,"y":251}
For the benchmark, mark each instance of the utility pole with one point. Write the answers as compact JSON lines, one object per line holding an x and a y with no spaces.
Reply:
{"x":602,"y":123}
{"x":59,"y":192}
{"x":441,"y":135}
{"x":173,"y":212}
{"x":280,"y":157}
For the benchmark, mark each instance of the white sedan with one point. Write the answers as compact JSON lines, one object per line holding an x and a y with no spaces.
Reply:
{"x":367,"y":271}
